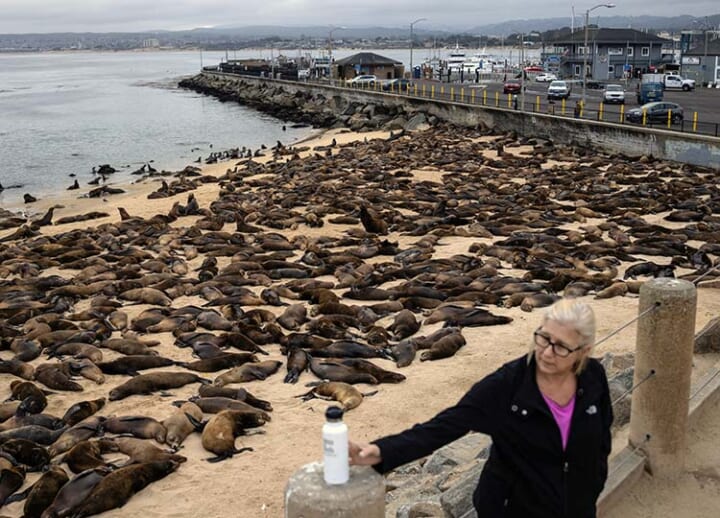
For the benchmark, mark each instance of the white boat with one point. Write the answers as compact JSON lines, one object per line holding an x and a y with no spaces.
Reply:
{"x":456,"y":59}
{"x":483,"y":63}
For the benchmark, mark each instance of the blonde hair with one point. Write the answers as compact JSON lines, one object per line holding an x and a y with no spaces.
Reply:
{"x":578,"y":316}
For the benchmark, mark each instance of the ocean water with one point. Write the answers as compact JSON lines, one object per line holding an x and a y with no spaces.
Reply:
{"x":63,"y":113}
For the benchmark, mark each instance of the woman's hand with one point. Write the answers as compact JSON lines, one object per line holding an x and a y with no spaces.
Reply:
{"x":363,"y":454}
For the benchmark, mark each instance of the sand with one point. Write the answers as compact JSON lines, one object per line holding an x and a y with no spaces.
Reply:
{"x":252,"y":484}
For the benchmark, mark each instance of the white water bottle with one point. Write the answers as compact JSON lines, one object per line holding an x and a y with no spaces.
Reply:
{"x":335,"y":447}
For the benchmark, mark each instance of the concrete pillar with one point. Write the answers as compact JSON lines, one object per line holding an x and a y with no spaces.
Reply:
{"x":658,"y":419}
{"x":308,"y":496}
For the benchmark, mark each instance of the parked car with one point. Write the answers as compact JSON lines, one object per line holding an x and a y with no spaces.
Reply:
{"x":614,"y":94}
{"x":656,"y":112}
{"x":545,"y":78}
{"x":395,"y":85}
{"x":363,"y":80}
{"x":559,"y":90}
{"x":512,"y":86}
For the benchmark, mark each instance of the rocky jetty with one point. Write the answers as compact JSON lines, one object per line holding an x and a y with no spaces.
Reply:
{"x":308,"y":107}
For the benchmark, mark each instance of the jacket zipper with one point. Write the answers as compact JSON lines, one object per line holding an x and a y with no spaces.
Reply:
{"x":566,"y":469}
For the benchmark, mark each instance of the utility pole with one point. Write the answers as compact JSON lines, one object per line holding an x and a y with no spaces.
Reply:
{"x":412,"y":24}
{"x":584,"y":70}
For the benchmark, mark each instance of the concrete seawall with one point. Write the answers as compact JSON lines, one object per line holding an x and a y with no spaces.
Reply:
{"x":616,"y":138}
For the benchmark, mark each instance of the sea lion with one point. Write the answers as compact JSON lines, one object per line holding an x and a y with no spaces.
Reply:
{"x":372,"y":222}
{"x":118,"y":487}
{"x":234,"y":393}
{"x":87,"y":369}
{"x":8,"y":409}
{"x":350,"y":349}
{"x":297,"y":362}
{"x":179,"y":426}
{"x":293,"y":317}
{"x":24,"y":418}
{"x":445,"y":347}
{"x":537,"y":300}
{"x":404,"y":325}
{"x":17,"y":368}
{"x":88,"y":454}
{"x":220,"y":362}
{"x":25,"y":351}
{"x":141,"y":427}
{"x":333,"y":370}
{"x":31,"y":397}
{"x":82,"y":410}
{"x":156,"y":381}
{"x":82,"y":431}
{"x":380,"y":374}
{"x":215,"y":405}
{"x":56,"y":376}
{"x":141,"y":450}
{"x":305,"y":341}
{"x":42,"y":493}
{"x":74,"y":492}
{"x":34,"y":433}
{"x":219,"y":434}
{"x":616,"y":289}
{"x":404,"y":353}
{"x":348,"y":396}
{"x":11,"y":479}
{"x":129,"y":346}
{"x":465,"y":317}
{"x":248,"y":372}
{"x":131,"y":364}
{"x":31,"y":455}
{"x":146,"y":296}
{"x":77,"y":350}
{"x":213,"y":321}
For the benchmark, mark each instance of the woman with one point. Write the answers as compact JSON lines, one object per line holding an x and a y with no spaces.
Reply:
{"x":549,"y":416}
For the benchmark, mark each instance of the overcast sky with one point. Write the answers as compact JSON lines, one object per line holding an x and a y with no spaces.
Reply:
{"x":22,"y":16}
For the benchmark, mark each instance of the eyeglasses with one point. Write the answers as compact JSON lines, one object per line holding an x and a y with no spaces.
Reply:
{"x":543,"y":341}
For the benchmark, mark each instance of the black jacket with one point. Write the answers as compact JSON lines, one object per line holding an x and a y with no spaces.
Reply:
{"x":528,"y":475}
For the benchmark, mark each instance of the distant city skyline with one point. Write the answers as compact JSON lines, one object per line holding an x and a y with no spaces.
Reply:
{"x":46,"y":16}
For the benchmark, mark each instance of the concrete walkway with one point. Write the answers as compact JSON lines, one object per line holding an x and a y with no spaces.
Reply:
{"x":695,"y":494}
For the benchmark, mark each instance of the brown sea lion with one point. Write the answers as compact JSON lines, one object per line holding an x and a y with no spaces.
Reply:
{"x":404,"y":325}
{"x":293,"y":317}
{"x":297,"y":362}
{"x":213,"y":321}
{"x":220,"y":432}
{"x":304,"y":340}
{"x":118,"y":487}
{"x":465,"y":317}
{"x":74,"y":492}
{"x":537,"y":300}
{"x":82,"y":431}
{"x":31,"y":397}
{"x":348,"y":396}
{"x":31,"y":455}
{"x":88,"y":454}
{"x":56,"y":376}
{"x":248,"y":372}
{"x":11,"y":479}
{"x":350,"y":349}
{"x":87,"y":369}
{"x":234,"y":393}
{"x":616,"y":289}
{"x":372,"y":222}
{"x":221,"y":361}
{"x":146,"y":296}
{"x":82,"y":410}
{"x":215,"y":405}
{"x":445,"y":347}
{"x":141,"y":450}
{"x":77,"y":350}
{"x":25,"y":350}
{"x":380,"y":374}
{"x":129,"y":346}
{"x":154,"y":382}
{"x":8,"y":409}
{"x":131,"y":364}
{"x":42,"y":493}
{"x":17,"y":368}
{"x":333,"y":370}
{"x":34,"y":433}
{"x":404,"y":353}
{"x":179,"y":426}
{"x":142,"y":427}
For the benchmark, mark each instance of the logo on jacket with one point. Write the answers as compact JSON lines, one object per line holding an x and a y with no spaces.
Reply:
{"x":591,"y":410}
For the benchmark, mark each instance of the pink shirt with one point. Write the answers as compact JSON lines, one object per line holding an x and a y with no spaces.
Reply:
{"x":562,"y":415}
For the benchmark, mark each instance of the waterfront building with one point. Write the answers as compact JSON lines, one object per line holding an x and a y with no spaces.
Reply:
{"x":368,"y":63}
{"x":700,"y":59}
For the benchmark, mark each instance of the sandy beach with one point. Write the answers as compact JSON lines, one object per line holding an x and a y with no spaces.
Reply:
{"x":252,"y":484}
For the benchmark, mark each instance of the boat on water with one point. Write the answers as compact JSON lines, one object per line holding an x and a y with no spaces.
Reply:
{"x":483,"y":63}
{"x":456,"y":59}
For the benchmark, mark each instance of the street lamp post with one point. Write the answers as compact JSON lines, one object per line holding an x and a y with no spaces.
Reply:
{"x":584,"y":70}
{"x":412,"y":24}
{"x":330,"y":40}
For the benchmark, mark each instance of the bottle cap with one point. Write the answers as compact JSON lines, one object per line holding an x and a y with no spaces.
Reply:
{"x":334,"y":412}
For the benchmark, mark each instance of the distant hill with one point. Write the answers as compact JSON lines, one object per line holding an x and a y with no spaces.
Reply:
{"x":600,"y":17}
